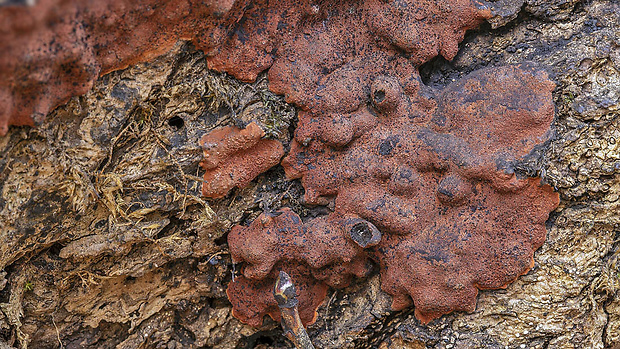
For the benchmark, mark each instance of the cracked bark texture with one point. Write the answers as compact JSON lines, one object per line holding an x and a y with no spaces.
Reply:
{"x":105,"y":241}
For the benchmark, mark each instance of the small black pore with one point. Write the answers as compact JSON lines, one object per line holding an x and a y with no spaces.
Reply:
{"x":176,"y":122}
{"x":379,"y":97}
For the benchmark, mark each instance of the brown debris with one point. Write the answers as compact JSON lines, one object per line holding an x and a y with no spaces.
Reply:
{"x":234,"y":157}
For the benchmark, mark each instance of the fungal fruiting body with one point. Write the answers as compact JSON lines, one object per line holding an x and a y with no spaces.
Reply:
{"x":233,"y":157}
{"x":423,"y":182}
{"x":427,"y":190}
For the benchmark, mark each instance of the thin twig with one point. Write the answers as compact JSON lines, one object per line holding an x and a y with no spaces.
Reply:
{"x":285,"y":295}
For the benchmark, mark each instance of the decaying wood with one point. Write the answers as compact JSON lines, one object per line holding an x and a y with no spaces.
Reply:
{"x":106,"y":242}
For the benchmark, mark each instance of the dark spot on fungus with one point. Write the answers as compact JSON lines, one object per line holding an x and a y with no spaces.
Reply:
{"x":405,"y":181}
{"x":379,"y":96}
{"x":386,"y":147}
{"x":453,"y":190}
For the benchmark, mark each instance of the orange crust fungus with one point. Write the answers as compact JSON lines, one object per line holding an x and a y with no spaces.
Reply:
{"x":423,"y":183}
{"x":234,"y":157}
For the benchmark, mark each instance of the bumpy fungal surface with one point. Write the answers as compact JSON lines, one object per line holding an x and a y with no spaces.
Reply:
{"x":234,"y":157}
{"x":423,"y":183}
{"x":56,"y":49}
{"x":427,"y":190}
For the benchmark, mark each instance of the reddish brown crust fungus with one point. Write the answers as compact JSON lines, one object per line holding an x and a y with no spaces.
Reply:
{"x":432,"y":170}
{"x":423,"y":181}
{"x":253,"y":299}
{"x":315,"y":254}
{"x":437,"y":179}
{"x":234,"y":157}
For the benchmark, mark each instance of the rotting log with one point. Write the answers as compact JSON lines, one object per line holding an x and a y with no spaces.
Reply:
{"x":106,"y":241}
